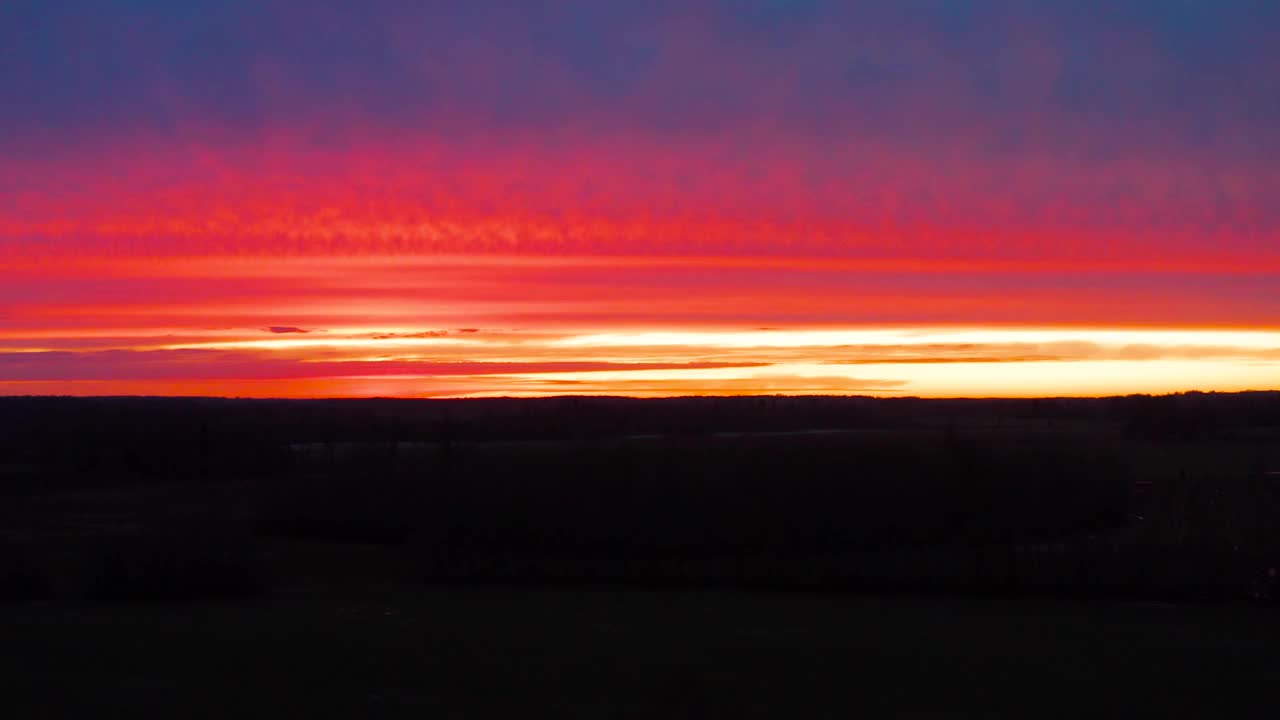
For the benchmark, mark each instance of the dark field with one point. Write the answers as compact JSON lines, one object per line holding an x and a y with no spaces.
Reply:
{"x":601,"y":557}
{"x":502,"y":652}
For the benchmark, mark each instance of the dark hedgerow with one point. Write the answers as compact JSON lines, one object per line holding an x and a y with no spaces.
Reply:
{"x":363,"y":507}
{"x":794,"y":511}
{"x":173,"y":564}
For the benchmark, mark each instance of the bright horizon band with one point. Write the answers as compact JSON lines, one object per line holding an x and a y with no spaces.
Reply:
{"x":919,"y":361}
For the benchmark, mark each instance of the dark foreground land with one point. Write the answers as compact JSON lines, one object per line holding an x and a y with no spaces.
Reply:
{"x":746,"y":557}
{"x":592,"y":653}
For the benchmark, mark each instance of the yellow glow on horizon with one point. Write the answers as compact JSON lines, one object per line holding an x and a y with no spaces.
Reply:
{"x":1250,"y":339}
{"x":1086,"y":378}
{"x":405,"y":361}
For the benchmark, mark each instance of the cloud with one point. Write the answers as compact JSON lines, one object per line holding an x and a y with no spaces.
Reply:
{"x":835,"y":128}
{"x":402,"y":336}
{"x":754,"y":384}
{"x":195,"y":364}
{"x":285,"y":329}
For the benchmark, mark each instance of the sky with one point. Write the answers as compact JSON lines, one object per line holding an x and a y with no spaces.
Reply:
{"x":289,"y":198}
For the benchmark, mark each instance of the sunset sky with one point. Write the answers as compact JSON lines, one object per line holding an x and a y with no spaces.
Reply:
{"x":304,"y":198}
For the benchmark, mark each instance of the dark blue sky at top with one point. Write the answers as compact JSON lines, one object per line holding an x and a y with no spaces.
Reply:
{"x":1173,"y":74}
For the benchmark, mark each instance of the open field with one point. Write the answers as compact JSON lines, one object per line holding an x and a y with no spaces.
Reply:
{"x":747,"y":558}
{"x":503,"y":652}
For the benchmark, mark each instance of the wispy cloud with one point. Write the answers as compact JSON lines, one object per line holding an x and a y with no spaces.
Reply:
{"x":222,"y":365}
